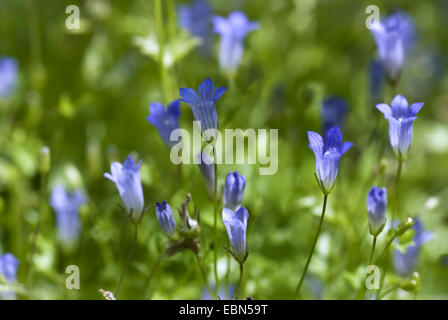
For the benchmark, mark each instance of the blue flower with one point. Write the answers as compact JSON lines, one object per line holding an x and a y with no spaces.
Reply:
{"x":165,"y":217}
{"x":127,"y":179}
{"x":196,"y":18}
{"x":400,"y":119}
{"x":394,"y":38}
{"x":203,"y":105}
{"x":327,"y":156}
{"x":67,"y":213}
{"x":8,"y":270}
{"x":236,"y":225}
{"x":165,"y":121}
{"x":233,"y":190}
{"x":376,"y":80}
{"x":406,"y":262}
{"x":8,"y":76}
{"x":207,"y":171}
{"x":225,"y":292}
{"x":376,"y":209}
{"x":232,"y":30}
{"x":334,"y":111}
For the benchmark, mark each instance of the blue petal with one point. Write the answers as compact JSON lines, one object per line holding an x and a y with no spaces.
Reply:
{"x":415,"y":108}
{"x":174,"y":108}
{"x":316,"y":143}
{"x":205,"y":90}
{"x":219,"y":92}
{"x":333,"y":139}
{"x":385,"y":109}
{"x":188,"y":95}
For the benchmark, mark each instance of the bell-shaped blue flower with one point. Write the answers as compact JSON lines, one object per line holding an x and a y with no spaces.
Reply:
{"x":376,"y":209}
{"x":196,"y":18}
{"x":127,"y":179}
{"x":233,"y":190}
{"x":400,"y":119}
{"x":394,"y":38}
{"x":334,"y":112}
{"x":66,"y":205}
{"x":203,"y":104}
{"x":236,"y":225}
{"x":165,"y":217}
{"x":8,"y":270}
{"x":327,"y":156}
{"x":232,"y":30}
{"x":165,"y":120}
{"x":406,"y":262}
{"x":8,"y":76}
{"x":376,"y":81}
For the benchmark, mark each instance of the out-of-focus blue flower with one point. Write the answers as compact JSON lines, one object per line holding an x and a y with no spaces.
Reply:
{"x":67,"y":213}
{"x":196,"y":18}
{"x":233,"y":190}
{"x":376,"y":209}
{"x":207,"y":171}
{"x":334,"y":111}
{"x":165,"y":120}
{"x":8,"y":76}
{"x":203,"y":105}
{"x":376,"y":81}
{"x":165,"y":217}
{"x":127,"y":179}
{"x":232,"y":30}
{"x":327,"y":155}
{"x":236,"y":225}
{"x":225,"y":292}
{"x":400,"y":119}
{"x":394,"y":38}
{"x":8,"y":270}
{"x":406,"y":262}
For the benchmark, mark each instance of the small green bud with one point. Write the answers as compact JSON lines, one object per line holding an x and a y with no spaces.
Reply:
{"x":404,"y":225}
{"x":409,"y":285}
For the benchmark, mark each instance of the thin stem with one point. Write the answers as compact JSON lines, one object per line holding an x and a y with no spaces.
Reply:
{"x":153,"y":272}
{"x":385,"y":293}
{"x":324,"y":207}
{"x":384,"y":250}
{"x":397,"y":185}
{"x":131,"y":251}
{"x":238,"y":288}
{"x":372,"y":253}
{"x":161,"y":41}
{"x":204,"y":276}
{"x":215,"y":218}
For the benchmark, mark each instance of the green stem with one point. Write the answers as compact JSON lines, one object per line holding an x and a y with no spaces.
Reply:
{"x":152,"y":273}
{"x":128,"y":259}
{"x":397,"y":192}
{"x":384,"y":250}
{"x":204,"y":276}
{"x":324,"y":207}
{"x":215,"y":218}
{"x":372,"y":253}
{"x":161,"y":41}
{"x":385,"y":293}
{"x":238,"y":288}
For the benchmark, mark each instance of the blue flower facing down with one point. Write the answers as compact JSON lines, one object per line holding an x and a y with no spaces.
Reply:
{"x":376,"y":209}
{"x":394,"y":38}
{"x":127,"y":179}
{"x":165,"y":120}
{"x":236,"y":226}
{"x":165,"y":217}
{"x":207,"y":171}
{"x":406,"y":262}
{"x":327,"y":155}
{"x":232,"y":30}
{"x":233,"y":190}
{"x":67,"y":207}
{"x":8,"y":76}
{"x":376,"y":80}
{"x":203,"y":104}
{"x":196,"y":18}
{"x":334,"y":112}
{"x":8,"y":270}
{"x":400,"y":119}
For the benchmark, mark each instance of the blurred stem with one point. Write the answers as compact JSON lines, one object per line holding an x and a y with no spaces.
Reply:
{"x":153,"y":272}
{"x":385,"y":293}
{"x":324,"y":207}
{"x":128,"y":259}
{"x":238,"y":288}
{"x":204,"y":276}
{"x":397,"y":187}
{"x":385,"y":250}
{"x":215,"y":218}
{"x":158,"y":12}
{"x":372,"y":253}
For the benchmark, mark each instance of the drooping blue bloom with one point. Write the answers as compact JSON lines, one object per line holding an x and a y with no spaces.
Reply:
{"x":67,"y":213}
{"x":376,"y":209}
{"x":233,"y":190}
{"x":394,"y":38}
{"x":8,"y":76}
{"x":207,"y":171}
{"x":8,"y":270}
{"x":232,"y":30}
{"x":236,"y":225}
{"x":376,"y":81}
{"x":165,"y":217}
{"x":165,"y":120}
{"x":400,"y":119}
{"x":406,"y":262}
{"x":127,"y":179}
{"x":203,"y":105}
{"x":334,"y":112}
{"x":327,"y":155}
{"x":196,"y":18}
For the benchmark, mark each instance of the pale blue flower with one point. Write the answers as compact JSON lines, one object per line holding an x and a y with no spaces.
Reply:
{"x":165,"y":120}
{"x":8,"y":269}
{"x":376,"y":209}
{"x":165,"y":217}
{"x":236,"y":225}
{"x":8,"y":76}
{"x":233,"y":190}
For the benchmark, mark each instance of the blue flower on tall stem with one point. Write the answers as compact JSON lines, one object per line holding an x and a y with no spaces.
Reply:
{"x":400,"y":119}
{"x":376,"y":209}
{"x":236,"y":226}
{"x":165,"y":120}
{"x":8,"y":76}
{"x":196,"y":18}
{"x":203,"y":104}
{"x":232,"y":30}
{"x":334,"y":112}
{"x":165,"y":217}
{"x":8,"y":270}
{"x":327,"y":155}
{"x":67,"y":207}
{"x":233,"y":190}
{"x":394,"y":38}
{"x":127,"y":179}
